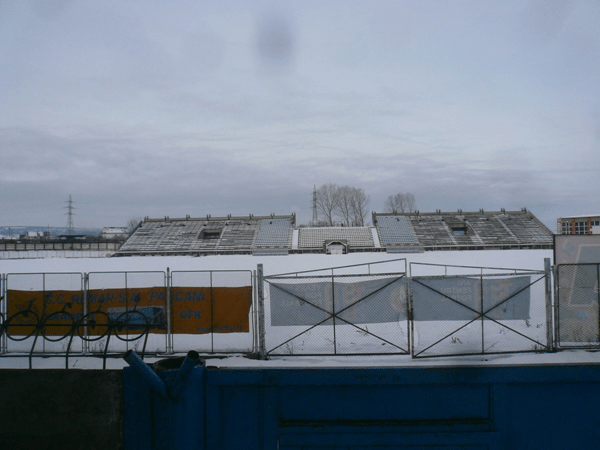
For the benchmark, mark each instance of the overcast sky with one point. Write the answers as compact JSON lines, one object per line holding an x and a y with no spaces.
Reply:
{"x":155,"y":108}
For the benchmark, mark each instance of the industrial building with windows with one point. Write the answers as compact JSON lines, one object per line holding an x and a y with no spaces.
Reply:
{"x":578,"y":225}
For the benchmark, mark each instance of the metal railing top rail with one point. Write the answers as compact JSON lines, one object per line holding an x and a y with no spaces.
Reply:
{"x":213,"y":271}
{"x":368,"y":265}
{"x":43,"y":273}
{"x":344,"y":275}
{"x":480,"y":268}
{"x":126,"y":271}
{"x":476,"y":275}
{"x":578,"y":264}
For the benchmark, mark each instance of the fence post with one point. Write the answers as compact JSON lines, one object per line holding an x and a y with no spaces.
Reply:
{"x":549,"y":322}
{"x":262,"y":350}
{"x":409,"y":313}
{"x":86,"y":285}
{"x":212,"y":315}
{"x":333,"y":311}
{"x":169,"y":330}
{"x":254,"y":312}
{"x":3,"y":312}
{"x":556,"y":305}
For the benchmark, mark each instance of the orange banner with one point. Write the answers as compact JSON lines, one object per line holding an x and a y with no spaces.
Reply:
{"x":193,"y":310}
{"x":57,"y":310}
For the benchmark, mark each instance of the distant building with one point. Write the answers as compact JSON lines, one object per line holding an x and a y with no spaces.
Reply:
{"x":34,"y":235}
{"x":115,"y":233}
{"x":578,"y":225}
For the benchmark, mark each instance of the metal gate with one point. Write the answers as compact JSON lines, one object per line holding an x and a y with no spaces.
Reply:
{"x":578,"y":306}
{"x":493,"y":311}
{"x":334,"y":313}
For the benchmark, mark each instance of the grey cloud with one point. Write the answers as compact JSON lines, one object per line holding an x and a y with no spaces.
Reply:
{"x":153,"y":108}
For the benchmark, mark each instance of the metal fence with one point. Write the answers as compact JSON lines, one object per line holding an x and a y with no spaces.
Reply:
{"x":577,"y":306}
{"x":213,"y":311}
{"x":493,"y":311}
{"x":336,"y":312}
{"x":58,"y":314}
{"x":463,"y":311}
{"x":363,"y":309}
{"x":107,"y":313}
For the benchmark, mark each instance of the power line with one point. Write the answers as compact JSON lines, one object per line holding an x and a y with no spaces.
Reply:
{"x":70,"y":209}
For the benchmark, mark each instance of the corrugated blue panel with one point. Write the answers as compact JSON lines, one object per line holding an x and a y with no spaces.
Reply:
{"x":493,"y":407}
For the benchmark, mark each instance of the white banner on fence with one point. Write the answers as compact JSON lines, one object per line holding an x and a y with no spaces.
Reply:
{"x":465,"y":298}
{"x":576,"y":249}
{"x":380,"y":300}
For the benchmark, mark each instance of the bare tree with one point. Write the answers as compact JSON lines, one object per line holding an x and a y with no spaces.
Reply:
{"x":344,"y":203}
{"x":344,"y":206}
{"x":133,"y":223}
{"x":327,"y":201}
{"x":359,"y":202}
{"x":401,"y":202}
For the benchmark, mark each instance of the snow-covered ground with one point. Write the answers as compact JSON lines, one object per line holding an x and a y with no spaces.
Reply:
{"x":519,"y":259}
{"x":430,"y":263}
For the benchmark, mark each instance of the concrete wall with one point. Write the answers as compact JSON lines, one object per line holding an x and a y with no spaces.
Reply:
{"x":26,"y":249}
{"x":56,"y":254}
{"x":61,"y":409}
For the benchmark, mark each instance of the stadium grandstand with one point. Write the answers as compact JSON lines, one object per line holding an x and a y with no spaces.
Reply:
{"x":265,"y":235}
{"x":462,"y":231}
{"x":392,"y":233}
{"x":336,"y":240}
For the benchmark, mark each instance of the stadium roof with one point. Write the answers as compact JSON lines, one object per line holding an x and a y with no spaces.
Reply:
{"x":462,"y":230}
{"x":211,"y":235}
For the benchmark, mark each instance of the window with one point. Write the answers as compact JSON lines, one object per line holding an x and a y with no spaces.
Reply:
{"x":210,"y":235}
{"x":459,"y":231}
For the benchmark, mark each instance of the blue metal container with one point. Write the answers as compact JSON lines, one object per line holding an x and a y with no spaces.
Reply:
{"x":164,"y":405}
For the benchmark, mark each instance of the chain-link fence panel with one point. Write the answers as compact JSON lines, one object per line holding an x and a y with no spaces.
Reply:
{"x":212,"y":311}
{"x":336,"y":314}
{"x":126,"y":311}
{"x":41,"y":312}
{"x":479,"y":314}
{"x":578,"y":305}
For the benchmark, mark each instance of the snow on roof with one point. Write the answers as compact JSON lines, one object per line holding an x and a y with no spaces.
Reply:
{"x":513,"y":259}
{"x":584,"y":216}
